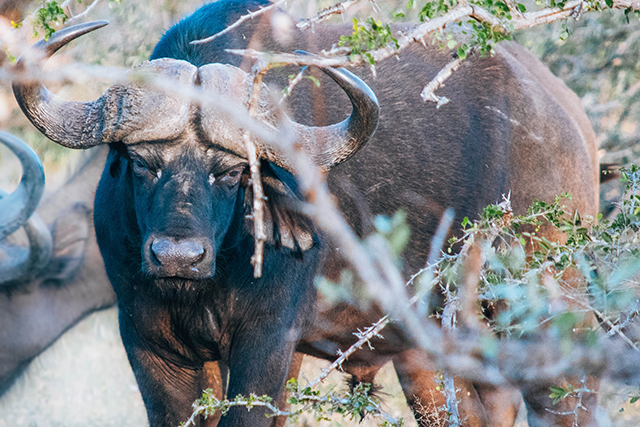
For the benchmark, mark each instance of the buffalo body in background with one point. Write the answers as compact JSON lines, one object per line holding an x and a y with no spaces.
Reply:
{"x":172,"y":205}
{"x":50,"y":284}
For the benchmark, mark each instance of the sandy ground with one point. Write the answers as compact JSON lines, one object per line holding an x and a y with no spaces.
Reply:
{"x":83,"y":379}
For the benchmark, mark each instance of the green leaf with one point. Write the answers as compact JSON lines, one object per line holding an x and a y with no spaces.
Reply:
{"x":314,"y":80}
{"x":522,"y":8}
{"x":557,"y":393}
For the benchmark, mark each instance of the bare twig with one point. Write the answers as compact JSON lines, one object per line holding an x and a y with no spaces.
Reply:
{"x":449,"y":390}
{"x":292,"y":83}
{"x":428,"y":93}
{"x":468,"y":292}
{"x":260,"y":235}
{"x":327,"y":13}
{"x":277,"y":59}
{"x":81,"y":15}
{"x":427,"y":274}
{"x":579,"y":406}
{"x":249,"y":15}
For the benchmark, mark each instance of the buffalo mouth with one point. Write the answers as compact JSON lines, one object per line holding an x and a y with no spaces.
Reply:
{"x":180,"y":258}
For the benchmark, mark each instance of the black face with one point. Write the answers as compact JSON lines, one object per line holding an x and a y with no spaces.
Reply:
{"x":185,"y":196}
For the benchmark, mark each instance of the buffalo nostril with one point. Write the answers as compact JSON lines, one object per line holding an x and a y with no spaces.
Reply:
{"x":180,"y":253}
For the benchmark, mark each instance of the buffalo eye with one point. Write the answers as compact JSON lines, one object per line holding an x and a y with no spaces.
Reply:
{"x":231,"y":178}
{"x":139,"y":167}
{"x":142,"y":169}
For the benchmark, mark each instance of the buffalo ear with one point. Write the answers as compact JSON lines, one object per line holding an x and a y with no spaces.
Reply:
{"x":118,"y":150}
{"x":70,"y":233}
{"x":285,"y":225}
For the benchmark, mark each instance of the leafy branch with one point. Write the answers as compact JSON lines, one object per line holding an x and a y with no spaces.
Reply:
{"x":484,"y":23}
{"x":51,"y":14}
{"x":353,"y":404}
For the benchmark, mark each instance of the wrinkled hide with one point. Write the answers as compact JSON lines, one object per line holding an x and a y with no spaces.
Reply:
{"x":171,"y":208}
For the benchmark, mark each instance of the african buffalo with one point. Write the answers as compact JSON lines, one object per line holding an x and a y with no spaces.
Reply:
{"x":58,"y":278}
{"x":172,"y":206}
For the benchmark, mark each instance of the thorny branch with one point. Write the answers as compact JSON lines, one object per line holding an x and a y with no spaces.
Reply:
{"x":363,"y":338}
{"x":278,"y":59}
{"x":252,"y":401}
{"x":337,"y":9}
{"x":613,"y":328}
{"x":243,"y":18}
{"x":427,"y":276}
{"x":302,"y":396}
{"x":358,"y":402}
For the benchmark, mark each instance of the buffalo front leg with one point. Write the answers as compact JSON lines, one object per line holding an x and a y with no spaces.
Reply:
{"x":294,"y":371}
{"x":258,"y":365}
{"x":215,"y":377}
{"x":168,"y":389}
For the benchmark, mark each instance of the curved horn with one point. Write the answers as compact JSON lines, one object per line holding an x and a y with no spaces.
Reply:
{"x":69,"y":123}
{"x":19,"y":205}
{"x":17,"y":209}
{"x":22,"y":265}
{"x":332,"y":145}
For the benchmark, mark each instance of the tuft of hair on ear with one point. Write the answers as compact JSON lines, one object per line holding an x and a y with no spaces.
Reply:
{"x":288,"y":228}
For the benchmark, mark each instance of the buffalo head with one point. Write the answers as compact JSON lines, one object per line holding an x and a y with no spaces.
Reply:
{"x":184,"y":163}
